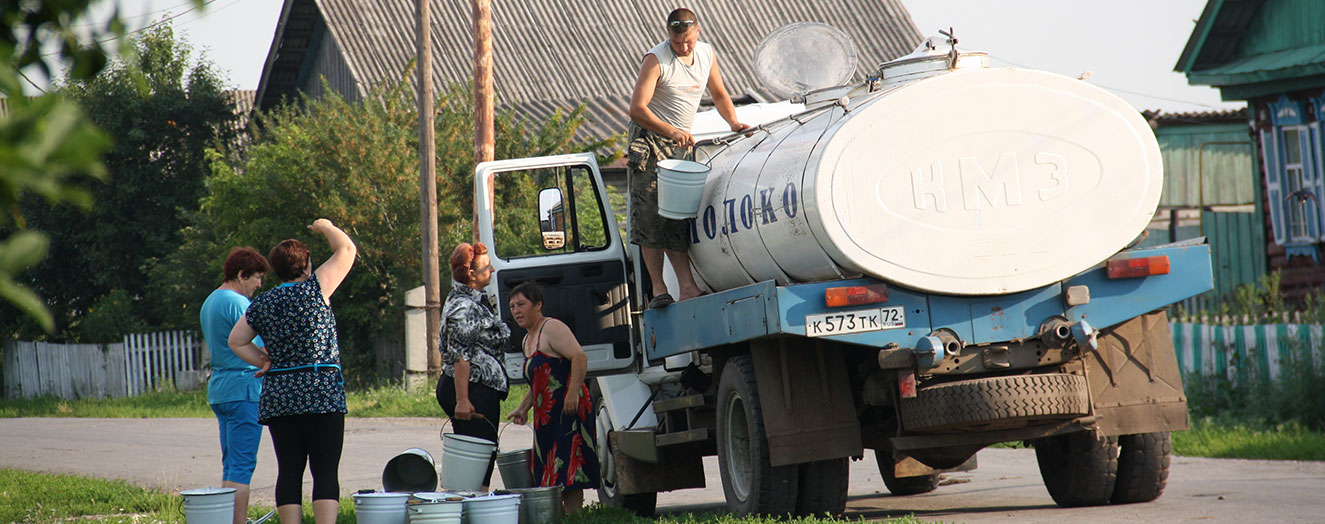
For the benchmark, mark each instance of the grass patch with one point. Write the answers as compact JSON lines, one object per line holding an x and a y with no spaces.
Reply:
{"x":1225,"y":438}
{"x":39,"y":497}
{"x":382,"y":401}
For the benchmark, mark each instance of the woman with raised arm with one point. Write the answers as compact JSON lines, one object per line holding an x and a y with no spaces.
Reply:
{"x":564,"y":430}
{"x":303,"y":390}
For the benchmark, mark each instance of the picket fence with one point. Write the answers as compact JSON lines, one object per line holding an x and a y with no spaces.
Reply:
{"x":140,"y":364}
{"x":1237,"y":352}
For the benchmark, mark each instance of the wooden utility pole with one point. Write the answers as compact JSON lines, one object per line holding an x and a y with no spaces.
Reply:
{"x":428,"y":186}
{"x":483,"y":94}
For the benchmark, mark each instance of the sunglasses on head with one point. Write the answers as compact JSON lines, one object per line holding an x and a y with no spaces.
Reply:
{"x":680,"y":25}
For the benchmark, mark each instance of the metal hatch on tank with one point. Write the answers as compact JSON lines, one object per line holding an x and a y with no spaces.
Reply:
{"x":948,"y":177}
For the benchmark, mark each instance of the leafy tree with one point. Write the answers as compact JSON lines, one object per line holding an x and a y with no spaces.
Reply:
{"x":356,"y":164}
{"x":164,"y":114}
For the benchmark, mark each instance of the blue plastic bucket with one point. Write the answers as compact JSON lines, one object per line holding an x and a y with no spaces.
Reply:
{"x":680,"y":188}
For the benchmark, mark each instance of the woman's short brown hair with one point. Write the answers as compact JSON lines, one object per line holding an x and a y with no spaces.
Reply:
{"x":289,"y":260}
{"x":530,"y":291}
{"x":462,"y":260}
{"x":242,"y":262}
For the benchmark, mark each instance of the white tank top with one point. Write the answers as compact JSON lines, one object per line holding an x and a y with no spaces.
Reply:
{"x":680,"y":86}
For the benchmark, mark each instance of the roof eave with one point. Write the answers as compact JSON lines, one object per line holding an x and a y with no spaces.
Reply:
{"x":271,"y":53}
{"x":1199,"y":36}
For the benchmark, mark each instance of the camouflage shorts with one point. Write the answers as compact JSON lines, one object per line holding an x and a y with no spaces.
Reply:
{"x":647,"y":228}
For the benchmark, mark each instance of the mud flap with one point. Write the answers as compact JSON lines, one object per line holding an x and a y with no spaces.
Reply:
{"x":678,"y":467}
{"x":809,"y":413}
{"x":1134,"y":379}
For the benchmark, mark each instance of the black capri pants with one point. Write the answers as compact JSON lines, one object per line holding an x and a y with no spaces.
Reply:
{"x":486,"y":401}
{"x":315,"y":439}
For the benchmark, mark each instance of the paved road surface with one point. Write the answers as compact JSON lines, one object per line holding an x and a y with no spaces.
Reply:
{"x":175,"y":454}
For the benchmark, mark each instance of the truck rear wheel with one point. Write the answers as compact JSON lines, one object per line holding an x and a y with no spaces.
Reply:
{"x":996,"y":402}
{"x":1143,"y":467}
{"x":642,"y":504}
{"x":905,"y":485}
{"x":823,"y":487}
{"x":1078,"y":468}
{"x":750,"y":483}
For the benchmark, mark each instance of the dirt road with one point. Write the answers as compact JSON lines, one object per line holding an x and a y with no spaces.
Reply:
{"x":175,"y":454}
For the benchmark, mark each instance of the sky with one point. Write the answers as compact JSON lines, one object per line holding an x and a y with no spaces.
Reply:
{"x":1128,"y":46}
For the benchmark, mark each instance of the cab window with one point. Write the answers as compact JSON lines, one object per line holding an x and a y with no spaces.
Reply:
{"x":547,"y":211}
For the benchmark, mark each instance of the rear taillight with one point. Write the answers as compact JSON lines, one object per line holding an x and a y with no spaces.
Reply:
{"x":1138,"y":267}
{"x":856,"y":295}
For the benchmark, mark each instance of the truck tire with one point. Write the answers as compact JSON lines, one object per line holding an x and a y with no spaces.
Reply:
{"x":822,"y":487}
{"x":996,"y":402}
{"x":642,"y":504}
{"x":750,"y":483}
{"x":1078,"y":469}
{"x":1143,"y":467}
{"x":905,"y":485}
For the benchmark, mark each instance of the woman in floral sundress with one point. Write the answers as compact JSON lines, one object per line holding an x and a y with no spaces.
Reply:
{"x":564,"y":430}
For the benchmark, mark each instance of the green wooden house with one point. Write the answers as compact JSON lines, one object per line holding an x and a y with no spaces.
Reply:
{"x":1271,"y":53}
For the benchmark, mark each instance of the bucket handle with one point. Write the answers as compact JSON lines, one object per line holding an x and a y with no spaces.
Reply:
{"x":441,"y":434}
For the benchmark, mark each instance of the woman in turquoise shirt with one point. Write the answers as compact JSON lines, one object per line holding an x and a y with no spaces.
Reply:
{"x":233,"y":390}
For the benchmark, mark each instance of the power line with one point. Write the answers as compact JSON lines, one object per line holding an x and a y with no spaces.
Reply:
{"x":1115,"y":89}
{"x":135,"y":17}
{"x":149,"y":26}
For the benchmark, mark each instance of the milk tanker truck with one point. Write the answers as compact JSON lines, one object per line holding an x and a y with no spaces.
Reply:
{"x":923,"y":264}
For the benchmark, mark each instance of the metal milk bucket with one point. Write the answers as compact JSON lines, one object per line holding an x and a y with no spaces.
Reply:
{"x":516,"y":468}
{"x":435,"y":508}
{"x":540,"y":505}
{"x":680,"y":188}
{"x":493,"y":509}
{"x":209,"y":505}
{"x":465,"y":460}
{"x":380,"y":508}
{"x":412,"y":470}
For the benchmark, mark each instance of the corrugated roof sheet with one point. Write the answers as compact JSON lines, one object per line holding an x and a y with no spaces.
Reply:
{"x":1196,"y":117}
{"x":555,"y":53}
{"x":1276,"y":65}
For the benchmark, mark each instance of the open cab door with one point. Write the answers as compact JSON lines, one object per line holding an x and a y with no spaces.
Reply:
{"x":548,"y":220}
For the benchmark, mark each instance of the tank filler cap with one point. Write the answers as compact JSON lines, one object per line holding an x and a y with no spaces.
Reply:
{"x":804,"y":57}
{"x":934,"y":56}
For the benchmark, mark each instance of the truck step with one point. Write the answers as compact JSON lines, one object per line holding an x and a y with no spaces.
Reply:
{"x":679,"y":403}
{"x":681,"y":437}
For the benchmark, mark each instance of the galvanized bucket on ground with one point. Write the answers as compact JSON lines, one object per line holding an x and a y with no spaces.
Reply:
{"x":209,"y":505}
{"x":680,"y":188}
{"x":380,"y":508}
{"x":540,"y":505}
{"x":516,"y":468}
{"x":412,"y":470}
{"x":465,"y":460}
{"x":436,"y":508}
{"x":493,"y":509}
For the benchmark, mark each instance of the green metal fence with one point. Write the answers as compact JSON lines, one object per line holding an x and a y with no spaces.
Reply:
{"x":1240,"y":352}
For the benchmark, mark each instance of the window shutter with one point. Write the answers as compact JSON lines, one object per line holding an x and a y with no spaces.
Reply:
{"x":1274,"y":194}
{"x":1311,"y":172}
{"x":1317,"y":150}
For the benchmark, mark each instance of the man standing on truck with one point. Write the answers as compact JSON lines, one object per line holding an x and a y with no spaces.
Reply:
{"x":672,"y":78}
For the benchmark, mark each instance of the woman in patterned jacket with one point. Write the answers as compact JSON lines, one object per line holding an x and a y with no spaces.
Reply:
{"x":303,"y":389}
{"x":473,"y":381}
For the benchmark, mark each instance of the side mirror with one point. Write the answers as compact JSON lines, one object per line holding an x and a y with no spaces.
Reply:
{"x":552,"y":218}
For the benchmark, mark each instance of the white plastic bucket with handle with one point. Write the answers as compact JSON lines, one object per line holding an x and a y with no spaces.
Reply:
{"x":209,"y":505}
{"x":680,"y":188}
{"x":380,"y":507}
{"x":465,"y":460}
{"x":493,"y":509}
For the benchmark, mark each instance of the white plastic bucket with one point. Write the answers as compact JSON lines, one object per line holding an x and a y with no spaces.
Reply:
{"x":436,"y":508}
{"x":680,"y":188}
{"x":493,"y":509}
{"x":516,"y":468}
{"x":209,"y":505}
{"x":465,"y":460}
{"x":380,"y":508}
{"x":412,"y":470}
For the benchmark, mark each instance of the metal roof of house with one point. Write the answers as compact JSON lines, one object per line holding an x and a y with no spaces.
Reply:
{"x":558,"y":54}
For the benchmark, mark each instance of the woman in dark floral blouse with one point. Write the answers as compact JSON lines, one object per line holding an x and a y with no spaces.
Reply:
{"x":303,"y":389}
{"x":473,"y":381}
{"x":564,"y":428}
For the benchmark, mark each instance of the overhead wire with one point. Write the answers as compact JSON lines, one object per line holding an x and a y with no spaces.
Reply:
{"x":1115,"y":89}
{"x":149,"y":26}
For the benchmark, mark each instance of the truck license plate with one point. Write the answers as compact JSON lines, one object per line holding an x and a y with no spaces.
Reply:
{"x":859,"y":321}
